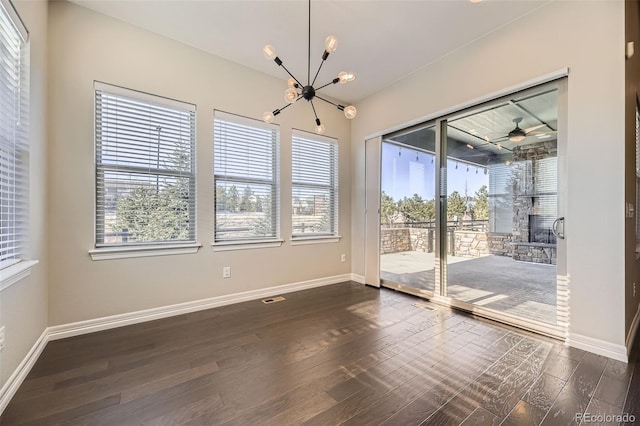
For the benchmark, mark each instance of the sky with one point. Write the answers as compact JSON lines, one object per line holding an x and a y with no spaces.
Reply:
{"x":413,"y":172}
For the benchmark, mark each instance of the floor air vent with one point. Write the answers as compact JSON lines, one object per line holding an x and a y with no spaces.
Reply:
{"x":273,"y":300}
{"x":423,"y":306}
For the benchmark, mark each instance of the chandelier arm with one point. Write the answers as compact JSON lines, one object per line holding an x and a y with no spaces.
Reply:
{"x":318,"y":72}
{"x":292,"y":76}
{"x":334,"y":81}
{"x":314,"y":109}
{"x":279,"y":110}
{"x":329,"y":102}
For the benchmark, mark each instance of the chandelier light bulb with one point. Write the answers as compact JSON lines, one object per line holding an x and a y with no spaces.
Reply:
{"x":269,"y":52}
{"x":290,"y":95}
{"x":267,"y":117}
{"x":331,"y":44}
{"x":292,"y":83}
{"x":346,"y":77}
{"x":350,"y":112}
{"x":320,"y":129}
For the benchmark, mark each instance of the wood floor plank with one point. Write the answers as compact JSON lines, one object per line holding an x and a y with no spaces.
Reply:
{"x":339,"y":354}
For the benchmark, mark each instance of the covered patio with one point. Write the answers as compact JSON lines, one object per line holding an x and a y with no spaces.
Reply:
{"x":525,"y":289}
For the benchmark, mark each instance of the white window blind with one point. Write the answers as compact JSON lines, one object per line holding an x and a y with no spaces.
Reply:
{"x":314,"y":185}
{"x":501,"y":198}
{"x":246,"y":177}
{"x":14,"y":124}
{"x":145,"y":168}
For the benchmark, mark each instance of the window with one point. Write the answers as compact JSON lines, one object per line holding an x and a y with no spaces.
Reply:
{"x":145,"y":168}
{"x":14,"y":148}
{"x":314,"y":185}
{"x":246,"y":178}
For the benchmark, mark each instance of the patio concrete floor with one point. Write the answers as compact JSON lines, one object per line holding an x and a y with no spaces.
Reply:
{"x":500,"y":283}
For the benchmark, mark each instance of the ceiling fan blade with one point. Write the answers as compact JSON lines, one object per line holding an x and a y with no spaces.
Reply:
{"x":542,"y":132}
{"x":530,"y":129}
{"x":504,"y":138}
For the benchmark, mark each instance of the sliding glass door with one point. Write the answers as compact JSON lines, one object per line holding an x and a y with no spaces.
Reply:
{"x":408,"y":211}
{"x":485,"y":234}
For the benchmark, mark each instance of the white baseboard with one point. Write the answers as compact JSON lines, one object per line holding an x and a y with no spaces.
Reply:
{"x":357,"y":278}
{"x":13,"y":383}
{"x":113,"y":321}
{"x":597,"y":346}
{"x":633,"y":331}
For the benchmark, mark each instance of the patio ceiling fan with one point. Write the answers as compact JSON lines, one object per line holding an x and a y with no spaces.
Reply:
{"x":518,"y":134}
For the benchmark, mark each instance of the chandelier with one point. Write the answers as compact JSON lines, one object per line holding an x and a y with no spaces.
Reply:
{"x":296,"y":90}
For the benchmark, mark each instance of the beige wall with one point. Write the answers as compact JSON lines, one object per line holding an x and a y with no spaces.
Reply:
{"x":632,"y":87}
{"x":23,"y":306}
{"x":86,"y":46}
{"x":588,"y":38}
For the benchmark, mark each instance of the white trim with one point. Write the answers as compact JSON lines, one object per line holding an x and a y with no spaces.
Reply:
{"x":13,"y":383}
{"x":546,"y":78}
{"x":142,"y":96}
{"x":597,"y":346}
{"x":15,"y":273}
{"x":120,"y":320}
{"x":123,"y":252}
{"x":245,"y":245}
{"x":301,"y":241}
{"x":633,"y":331}
{"x":357,"y":278}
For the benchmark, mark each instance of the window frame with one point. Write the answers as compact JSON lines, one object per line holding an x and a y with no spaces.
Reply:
{"x":105,"y":251}
{"x":333,"y":188}
{"x":253,"y":241}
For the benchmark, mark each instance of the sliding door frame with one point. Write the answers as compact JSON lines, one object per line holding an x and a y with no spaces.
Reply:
{"x":560,"y":329}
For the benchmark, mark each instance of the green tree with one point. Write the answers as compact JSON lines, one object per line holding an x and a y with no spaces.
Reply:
{"x":455,"y":206}
{"x":263,"y":225}
{"x":246,"y":203}
{"x":415,"y":209}
{"x":481,"y":207}
{"x":148,"y":215}
{"x":221,"y":198}
{"x":388,"y":209}
{"x":158,"y":209}
{"x":233,"y":199}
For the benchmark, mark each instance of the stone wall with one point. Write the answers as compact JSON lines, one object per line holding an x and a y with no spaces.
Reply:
{"x":466,"y":243}
{"x":535,"y":252}
{"x":470,"y":243}
{"x":395,"y":240}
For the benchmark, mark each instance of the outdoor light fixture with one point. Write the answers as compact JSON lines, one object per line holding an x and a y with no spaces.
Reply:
{"x":296,"y":90}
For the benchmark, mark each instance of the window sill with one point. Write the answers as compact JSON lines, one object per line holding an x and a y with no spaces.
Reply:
{"x":109,"y":253}
{"x":15,"y":273}
{"x":245,"y":245}
{"x":301,"y":241}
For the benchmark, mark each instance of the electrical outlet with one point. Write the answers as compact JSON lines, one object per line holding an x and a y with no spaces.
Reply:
{"x":1,"y":338}
{"x":226,"y":272}
{"x":343,"y":258}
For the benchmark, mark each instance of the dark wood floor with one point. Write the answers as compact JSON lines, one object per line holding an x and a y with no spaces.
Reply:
{"x":338,"y":354}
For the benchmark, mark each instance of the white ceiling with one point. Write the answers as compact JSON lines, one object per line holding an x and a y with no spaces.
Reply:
{"x":381,"y":41}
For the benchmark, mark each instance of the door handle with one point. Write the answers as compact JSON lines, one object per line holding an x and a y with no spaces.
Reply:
{"x":554,"y":228}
